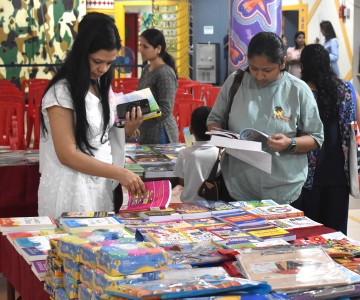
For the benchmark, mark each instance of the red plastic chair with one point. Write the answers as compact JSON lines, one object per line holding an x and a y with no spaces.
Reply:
{"x":182,"y":113}
{"x":10,"y":89}
{"x":12,"y":125}
{"x":202,"y":91}
{"x":6,"y":82}
{"x":214,"y":91}
{"x":36,"y":92}
{"x":25,"y":84}
{"x":118,"y":84}
{"x":180,"y":96}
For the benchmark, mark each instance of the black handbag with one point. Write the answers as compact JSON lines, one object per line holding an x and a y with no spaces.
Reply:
{"x":210,"y":188}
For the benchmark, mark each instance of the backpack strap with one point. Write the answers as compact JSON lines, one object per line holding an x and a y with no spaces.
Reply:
{"x":239,"y":75}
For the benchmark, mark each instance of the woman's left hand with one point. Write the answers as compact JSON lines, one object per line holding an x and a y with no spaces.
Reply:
{"x":278,"y":142}
{"x":134,"y":119}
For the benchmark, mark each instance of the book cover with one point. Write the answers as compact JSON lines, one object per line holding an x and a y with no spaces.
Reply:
{"x":199,"y":235}
{"x":291,"y":268}
{"x":150,"y":159}
{"x":80,"y":225}
{"x":281,"y":211}
{"x":39,"y":269}
{"x":294,"y":223}
{"x":152,"y":107}
{"x":23,"y":234}
{"x":274,"y":233}
{"x":204,"y":222}
{"x":249,"y":204}
{"x":42,"y":241}
{"x":157,"y":197}
{"x":217,"y":206}
{"x":26,"y":223}
{"x":168,"y":236}
{"x":240,"y":218}
{"x":191,"y":210}
{"x":31,"y":254}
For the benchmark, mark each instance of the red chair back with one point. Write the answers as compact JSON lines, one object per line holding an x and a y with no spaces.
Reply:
{"x":25,"y":84}
{"x":183,"y":96}
{"x":182,"y":113}
{"x":12,"y":125}
{"x":214,"y":91}
{"x":36,"y":92}
{"x":202,"y":91}
{"x":118,"y":84}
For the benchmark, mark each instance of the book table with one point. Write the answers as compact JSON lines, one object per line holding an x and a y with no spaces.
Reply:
{"x":21,"y":278}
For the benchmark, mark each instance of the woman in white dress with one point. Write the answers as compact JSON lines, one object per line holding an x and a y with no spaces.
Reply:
{"x":76,"y":164}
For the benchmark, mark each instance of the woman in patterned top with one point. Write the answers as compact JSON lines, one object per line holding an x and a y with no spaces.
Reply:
{"x":160,"y":76}
{"x":325,"y":196}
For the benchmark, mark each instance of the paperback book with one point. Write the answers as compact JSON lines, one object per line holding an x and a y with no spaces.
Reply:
{"x":249,"y":204}
{"x":23,"y":234}
{"x":277,"y":212}
{"x":217,"y":206}
{"x":163,"y":236}
{"x":157,"y":197}
{"x":8,"y":225}
{"x":191,"y":210}
{"x":81,"y":225}
{"x":39,"y":269}
{"x":240,"y":218}
{"x":158,"y":170}
{"x":294,"y":223}
{"x":162,"y":215}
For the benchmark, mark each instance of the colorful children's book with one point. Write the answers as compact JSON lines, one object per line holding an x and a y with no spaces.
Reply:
{"x":240,"y":218}
{"x":168,"y":236}
{"x":191,"y":210}
{"x":150,"y":159}
{"x":143,"y":98}
{"x":296,"y":222}
{"x":80,"y":225}
{"x":31,"y":254}
{"x":157,"y":197}
{"x":249,"y":204}
{"x":42,"y":241}
{"x":8,"y":225}
{"x":277,"y":212}
{"x":217,"y":206}
{"x":199,"y":235}
{"x":85,"y":215}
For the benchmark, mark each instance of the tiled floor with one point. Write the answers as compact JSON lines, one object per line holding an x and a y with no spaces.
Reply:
{"x":353,"y":232}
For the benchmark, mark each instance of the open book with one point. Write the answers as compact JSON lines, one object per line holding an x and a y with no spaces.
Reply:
{"x":143,"y":98}
{"x":249,"y":146}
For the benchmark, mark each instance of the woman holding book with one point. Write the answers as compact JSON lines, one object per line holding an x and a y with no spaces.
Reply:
{"x":325,"y":197}
{"x":76,"y":164}
{"x":160,"y":76}
{"x":283,"y":107}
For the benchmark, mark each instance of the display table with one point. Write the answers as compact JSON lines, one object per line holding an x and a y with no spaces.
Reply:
{"x":19,"y":186}
{"x":20,"y":277}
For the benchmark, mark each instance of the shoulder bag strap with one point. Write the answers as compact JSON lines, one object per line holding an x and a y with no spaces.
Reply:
{"x":214,"y":169}
{"x":239,"y":75}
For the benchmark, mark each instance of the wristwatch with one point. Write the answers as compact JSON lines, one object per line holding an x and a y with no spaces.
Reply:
{"x":292,"y":146}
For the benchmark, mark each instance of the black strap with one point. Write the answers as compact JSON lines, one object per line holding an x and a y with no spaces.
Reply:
{"x":215,"y":167}
{"x":239,"y":75}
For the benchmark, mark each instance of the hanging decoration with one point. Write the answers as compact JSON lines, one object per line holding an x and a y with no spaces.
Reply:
{"x":248,"y":17}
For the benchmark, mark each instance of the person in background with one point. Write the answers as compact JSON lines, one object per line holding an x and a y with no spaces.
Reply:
{"x":325,"y":196}
{"x":284,"y":40}
{"x":279,"y":105}
{"x":75,"y":156}
{"x":194,"y":163}
{"x":293,"y":54}
{"x":331,"y":44}
{"x":160,"y":76}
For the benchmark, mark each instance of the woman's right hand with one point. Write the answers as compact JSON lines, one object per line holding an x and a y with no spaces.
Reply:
{"x":132,"y":182}
{"x":134,"y":119}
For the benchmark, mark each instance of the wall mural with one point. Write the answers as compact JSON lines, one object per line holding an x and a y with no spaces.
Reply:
{"x":35,"y":31}
{"x":248,"y":17}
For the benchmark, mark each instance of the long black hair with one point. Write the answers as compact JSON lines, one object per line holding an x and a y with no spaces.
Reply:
{"x":267,"y":44}
{"x":316,"y":69}
{"x":155,"y":38}
{"x":328,"y":30}
{"x":296,"y":36}
{"x":96,"y":32}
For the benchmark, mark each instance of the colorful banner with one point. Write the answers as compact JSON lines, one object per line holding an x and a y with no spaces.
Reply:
{"x":248,"y":17}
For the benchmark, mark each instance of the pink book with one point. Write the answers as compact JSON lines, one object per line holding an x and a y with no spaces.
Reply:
{"x":157,"y":197}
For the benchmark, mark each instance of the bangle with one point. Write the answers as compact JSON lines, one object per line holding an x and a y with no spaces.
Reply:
{"x":292,"y":146}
